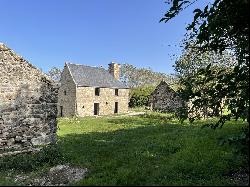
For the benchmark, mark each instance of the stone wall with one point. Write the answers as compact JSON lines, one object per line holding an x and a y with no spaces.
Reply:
{"x":28,"y":100}
{"x":79,"y":101}
{"x":67,"y":94}
{"x":164,"y":99}
{"x":86,"y":98}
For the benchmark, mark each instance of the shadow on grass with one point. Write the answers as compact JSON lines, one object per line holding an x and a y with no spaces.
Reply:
{"x":159,"y":154}
{"x":144,"y":120}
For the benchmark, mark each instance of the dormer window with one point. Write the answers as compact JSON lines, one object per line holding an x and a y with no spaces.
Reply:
{"x":97,"y":91}
{"x":116,"y":92}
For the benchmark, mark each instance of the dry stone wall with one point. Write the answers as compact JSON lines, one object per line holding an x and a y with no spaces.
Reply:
{"x":28,"y":104}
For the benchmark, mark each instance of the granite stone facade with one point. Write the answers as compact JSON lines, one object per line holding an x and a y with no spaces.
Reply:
{"x":78,"y":92}
{"x":28,"y":104}
{"x":164,"y":98}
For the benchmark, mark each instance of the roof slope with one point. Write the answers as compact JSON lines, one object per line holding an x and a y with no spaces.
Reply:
{"x":93,"y":76}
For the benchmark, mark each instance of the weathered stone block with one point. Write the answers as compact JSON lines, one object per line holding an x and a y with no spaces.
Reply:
{"x":27,"y":97}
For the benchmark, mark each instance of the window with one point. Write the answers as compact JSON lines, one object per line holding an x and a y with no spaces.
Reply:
{"x":96,"y":108}
{"x":97,"y":91}
{"x":65,"y":92}
{"x":116,"y":92}
{"x":61,"y":111}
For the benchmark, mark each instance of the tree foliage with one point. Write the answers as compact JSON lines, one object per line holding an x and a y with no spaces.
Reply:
{"x":139,"y":77}
{"x":55,"y":73}
{"x":140,"y":96}
{"x":220,"y":26}
{"x":199,"y":87}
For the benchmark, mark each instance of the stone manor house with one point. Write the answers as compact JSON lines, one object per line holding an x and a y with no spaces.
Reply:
{"x":89,"y":91}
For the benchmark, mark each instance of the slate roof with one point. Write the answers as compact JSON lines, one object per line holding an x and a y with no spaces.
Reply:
{"x":93,"y":77}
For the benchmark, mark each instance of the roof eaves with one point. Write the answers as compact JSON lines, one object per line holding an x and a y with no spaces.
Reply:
{"x":103,"y":87}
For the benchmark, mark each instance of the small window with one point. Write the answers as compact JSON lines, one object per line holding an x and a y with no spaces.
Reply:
{"x":116,"y":92}
{"x":97,"y":91}
{"x":65,"y":92}
{"x":61,"y":111}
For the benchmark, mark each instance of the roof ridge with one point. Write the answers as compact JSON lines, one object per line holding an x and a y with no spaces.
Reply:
{"x":84,"y":65}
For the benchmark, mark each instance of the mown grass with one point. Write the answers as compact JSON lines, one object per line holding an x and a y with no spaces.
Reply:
{"x":151,"y":149}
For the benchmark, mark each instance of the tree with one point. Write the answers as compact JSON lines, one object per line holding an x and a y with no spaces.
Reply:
{"x":188,"y":68}
{"x":193,"y":60}
{"x":222,"y":25}
{"x":55,"y":73}
{"x":139,"y":77}
{"x":140,"y":96}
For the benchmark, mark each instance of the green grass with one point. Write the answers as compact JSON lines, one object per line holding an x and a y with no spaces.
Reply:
{"x":151,"y":149}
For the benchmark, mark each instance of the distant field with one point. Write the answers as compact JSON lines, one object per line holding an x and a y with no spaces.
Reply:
{"x":152,"y":149}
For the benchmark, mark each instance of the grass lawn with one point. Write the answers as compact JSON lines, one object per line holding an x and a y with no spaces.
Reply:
{"x":151,"y":149}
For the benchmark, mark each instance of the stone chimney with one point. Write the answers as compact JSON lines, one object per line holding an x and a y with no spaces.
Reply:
{"x":114,"y":69}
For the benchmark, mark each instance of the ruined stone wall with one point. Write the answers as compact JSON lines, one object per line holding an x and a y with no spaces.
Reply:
{"x":27,"y":104}
{"x":164,"y":99}
{"x":86,"y":98}
{"x":67,"y":94}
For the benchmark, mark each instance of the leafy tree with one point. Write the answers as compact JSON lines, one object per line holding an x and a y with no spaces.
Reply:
{"x":222,"y":25}
{"x":139,"y":96}
{"x":192,"y":60}
{"x":139,"y":77}
{"x":55,"y":73}
{"x":142,"y":82}
{"x":188,"y":68}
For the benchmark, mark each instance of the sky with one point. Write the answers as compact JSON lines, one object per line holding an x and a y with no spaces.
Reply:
{"x":49,"y":33}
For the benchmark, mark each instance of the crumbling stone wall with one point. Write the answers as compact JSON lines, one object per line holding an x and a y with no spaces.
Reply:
{"x":164,"y":98}
{"x":28,"y":104}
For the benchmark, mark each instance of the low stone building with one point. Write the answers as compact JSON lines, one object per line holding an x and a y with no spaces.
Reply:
{"x":164,"y":98}
{"x":88,"y":91}
{"x":28,"y":104}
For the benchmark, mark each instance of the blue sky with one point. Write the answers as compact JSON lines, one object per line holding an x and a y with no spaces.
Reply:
{"x":93,"y":32}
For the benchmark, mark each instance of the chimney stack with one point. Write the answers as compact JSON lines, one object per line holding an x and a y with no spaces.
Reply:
{"x":114,"y":69}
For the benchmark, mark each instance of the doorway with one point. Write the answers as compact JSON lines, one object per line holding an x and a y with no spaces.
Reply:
{"x":96,"y":108}
{"x":116,"y":108}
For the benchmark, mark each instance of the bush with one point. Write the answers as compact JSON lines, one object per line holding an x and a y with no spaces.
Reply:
{"x":140,"y":96}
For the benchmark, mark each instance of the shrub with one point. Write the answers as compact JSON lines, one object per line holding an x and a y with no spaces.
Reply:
{"x":140,"y":96}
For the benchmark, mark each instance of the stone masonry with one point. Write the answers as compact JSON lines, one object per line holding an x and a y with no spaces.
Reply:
{"x":164,"y":98}
{"x":28,"y":104}
{"x":76,"y":95}
{"x":114,"y":69}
